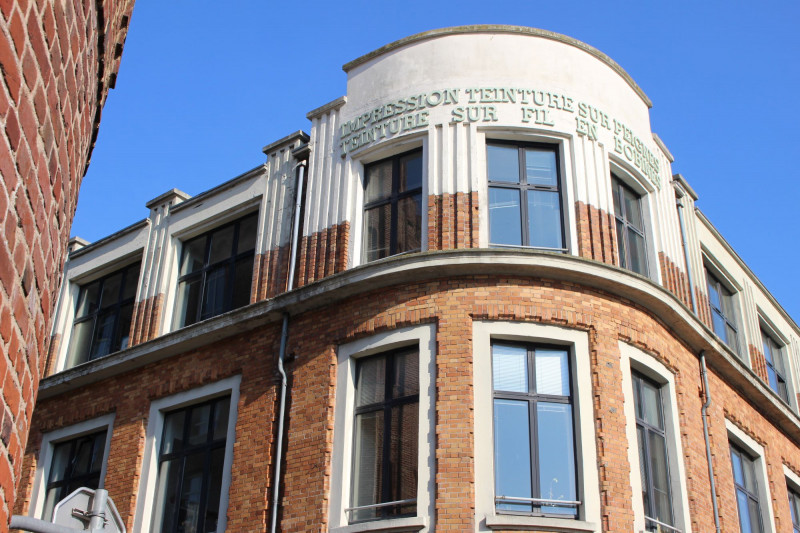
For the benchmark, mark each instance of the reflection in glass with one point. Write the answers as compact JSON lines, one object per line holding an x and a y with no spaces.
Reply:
{"x":504,"y":217}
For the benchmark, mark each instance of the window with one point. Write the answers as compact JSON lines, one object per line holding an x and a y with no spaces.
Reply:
{"x":723,"y":312}
{"x":652,"y":443}
{"x":776,"y":372}
{"x":534,"y":447}
{"x":385,"y":446}
{"x":524,"y":196}
{"x":76,"y":463}
{"x":103,"y":316}
{"x":630,"y":227}
{"x":393,"y":206}
{"x":190,"y":467}
{"x":747,"y":496}
{"x":216,"y":271}
{"x":794,"y":506}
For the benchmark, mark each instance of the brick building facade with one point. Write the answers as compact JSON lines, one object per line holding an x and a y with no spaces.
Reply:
{"x":494,"y":306}
{"x":58,"y":61}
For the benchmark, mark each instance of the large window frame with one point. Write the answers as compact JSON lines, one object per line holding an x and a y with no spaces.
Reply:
{"x":747,"y":490}
{"x":724,"y":313}
{"x":393,"y":199}
{"x":630,"y":219}
{"x":794,"y":508}
{"x":776,"y":365}
{"x":192,"y":307}
{"x":501,"y":192}
{"x":744,"y":447}
{"x":104,"y":311}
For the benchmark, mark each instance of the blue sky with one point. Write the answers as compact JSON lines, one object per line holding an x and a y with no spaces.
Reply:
{"x":202,"y":88}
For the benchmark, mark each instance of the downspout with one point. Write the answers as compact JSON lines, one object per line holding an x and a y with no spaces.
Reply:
{"x":704,"y":410}
{"x":679,"y":202}
{"x":282,"y":353}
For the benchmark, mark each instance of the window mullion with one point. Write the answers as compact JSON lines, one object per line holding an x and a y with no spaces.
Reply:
{"x":386,"y":485}
{"x":523,"y":197}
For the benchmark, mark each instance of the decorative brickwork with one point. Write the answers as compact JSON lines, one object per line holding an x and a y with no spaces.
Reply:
{"x":322,"y":254}
{"x":147,"y":317}
{"x":674,"y":279}
{"x":597,"y":234}
{"x":453,"y":305}
{"x":270,"y":274}
{"x":453,"y":221}
{"x":58,"y":60}
{"x":703,"y":307}
{"x":758,"y":363}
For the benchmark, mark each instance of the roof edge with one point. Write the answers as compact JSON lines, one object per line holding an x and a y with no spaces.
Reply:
{"x":501,"y":28}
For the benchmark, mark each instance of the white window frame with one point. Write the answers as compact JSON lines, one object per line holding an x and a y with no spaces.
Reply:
{"x":792,"y":483}
{"x":633,"y":359}
{"x":145,"y":501}
{"x":45,"y":459}
{"x":423,"y":336}
{"x":712,"y":266}
{"x":486,"y":518}
{"x":745,"y":442}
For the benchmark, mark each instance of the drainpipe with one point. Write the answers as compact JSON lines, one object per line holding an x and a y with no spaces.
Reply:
{"x":679,"y":202}
{"x":282,"y":354}
{"x":707,"y":393}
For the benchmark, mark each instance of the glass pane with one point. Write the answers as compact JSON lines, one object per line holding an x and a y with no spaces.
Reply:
{"x":552,"y":372}
{"x":131,"y":281}
{"x":242,"y":282}
{"x":124,"y":327}
{"x":111,"y":290}
{"x":615,"y":193}
{"x":54,"y":495}
{"x":755,"y":516}
{"x":83,"y":457}
{"x":98,"y":447}
{"x":651,"y":404}
{"x":371,"y":381}
{"x":198,"y":424}
{"x":410,"y":172}
{"x":403,"y":453}
{"x":713,"y":293}
{"x":216,"y":292}
{"x":191,"y":492}
{"x":745,"y":520}
{"x":749,"y":468}
{"x":633,"y":213}
{"x":504,"y":217}
{"x":773,"y":378}
{"x":503,"y":163}
{"x":637,"y":253}
{"x":61,"y":460}
{"x":377,"y":232}
{"x":188,"y":302}
{"x":248,"y":227}
{"x":556,"y":456}
{"x":622,"y":249}
{"x":730,"y":337}
{"x":409,"y":224}
{"x":213,"y":489}
{"x":173,"y":432}
{"x":79,"y":342}
{"x":658,"y":469}
{"x":720,"y":326}
{"x":540,"y":167}
{"x":512,"y":453}
{"x":88,"y":299}
{"x":544,"y":219}
{"x":194,"y":253}
{"x":221,"y":413}
{"x":378,"y":184}
{"x":367,"y":463}
{"x":510,"y":368}
{"x":406,"y":374}
{"x":169,"y":477}
{"x":103,"y":335}
{"x":221,"y":245}
{"x":643,"y":469}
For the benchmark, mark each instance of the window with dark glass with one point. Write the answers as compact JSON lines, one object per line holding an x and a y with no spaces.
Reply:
{"x":744,"y":478}
{"x":76,"y":463}
{"x":393,"y":206}
{"x":385,"y":447}
{"x":776,"y":371}
{"x":723,"y":312}
{"x":534,"y":445}
{"x":103,"y":316}
{"x":216,"y":271}
{"x":630,"y":227}
{"x":794,"y":506}
{"x":524,"y":196}
{"x":653,"y":464}
{"x":190,"y":468}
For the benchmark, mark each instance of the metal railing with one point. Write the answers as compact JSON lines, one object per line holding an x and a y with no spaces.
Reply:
{"x":379,"y":505}
{"x":536,"y":501}
{"x":661,"y":527}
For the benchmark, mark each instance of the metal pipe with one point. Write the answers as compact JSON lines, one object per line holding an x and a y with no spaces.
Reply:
{"x":98,"y":511}
{"x":276,"y":484}
{"x":704,"y":410}
{"x":27,"y":523}
{"x":679,"y":203}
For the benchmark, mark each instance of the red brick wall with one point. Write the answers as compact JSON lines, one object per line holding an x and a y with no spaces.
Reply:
{"x":270,"y":274}
{"x":147,"y":316}
{"x":674,"y":279}
{"x":323,"y":253}
{"x":58,"y":60}
{"x":597,"y":234}
{"x":453,"y":305}
{"x":453,"y":221}
{"x":758,"y":363}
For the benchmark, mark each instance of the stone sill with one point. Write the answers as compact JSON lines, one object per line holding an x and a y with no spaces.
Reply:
{"x":538,"y":523}
{"x":394,"y":525}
